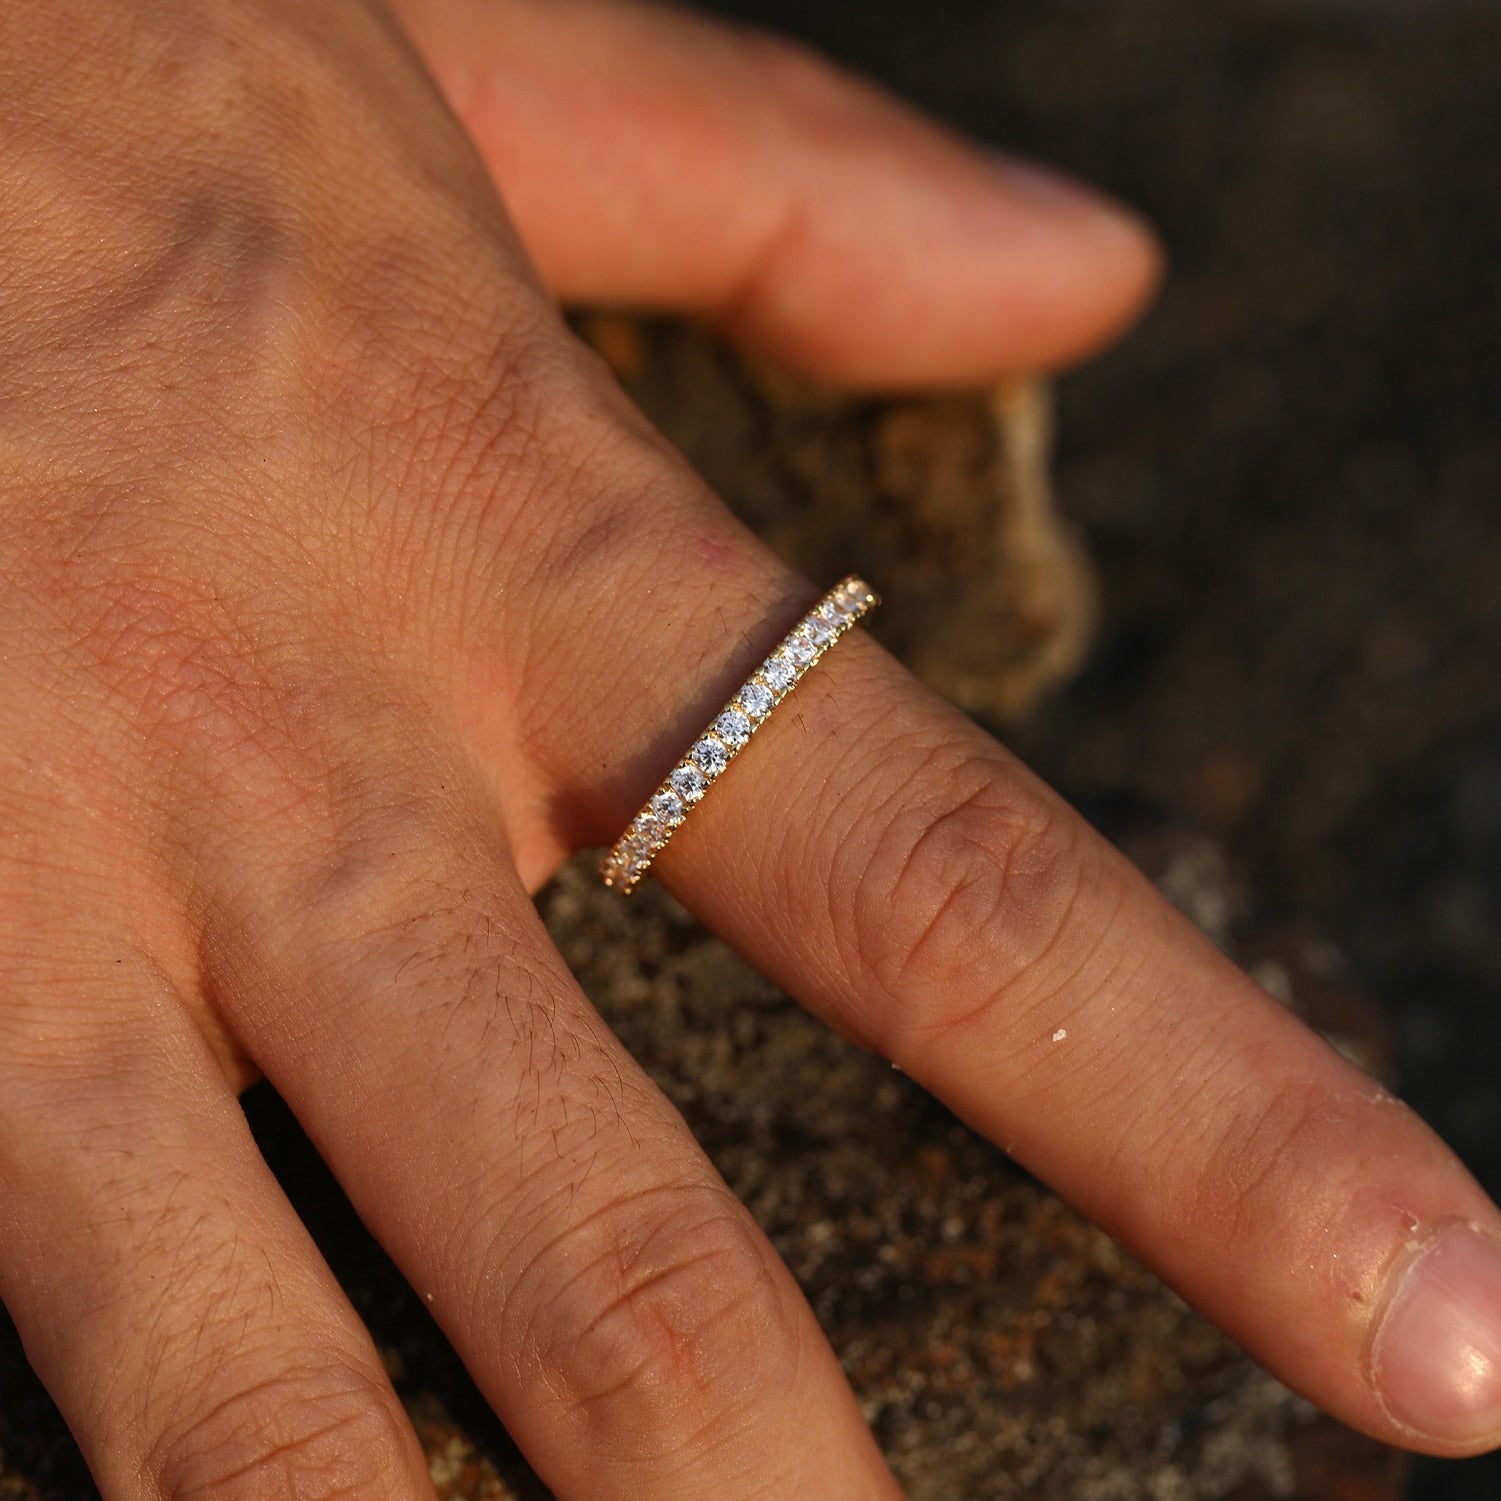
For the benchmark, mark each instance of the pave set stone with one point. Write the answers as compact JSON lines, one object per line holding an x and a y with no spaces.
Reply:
{"x":779,"y":673}
{"x":688,"y":782}
{"x":711,"y":756}
{"x":732,"y":728}
{"x":755,"y":700}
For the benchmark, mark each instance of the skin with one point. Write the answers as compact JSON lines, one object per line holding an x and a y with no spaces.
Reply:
{"x":344,"y":596}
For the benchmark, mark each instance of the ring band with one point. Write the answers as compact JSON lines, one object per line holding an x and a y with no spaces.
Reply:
{"x":731,"y":729}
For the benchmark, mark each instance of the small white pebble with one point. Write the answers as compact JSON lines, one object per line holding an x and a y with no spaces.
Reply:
{"x":1060,"y":1034}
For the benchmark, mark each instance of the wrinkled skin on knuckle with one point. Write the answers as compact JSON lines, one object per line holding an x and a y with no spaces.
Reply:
{"x":317,"y":1433}
{"x":518,"y":479}
{"x":657,"y":1320}
{"x":1284,"y":1165}
{"x":963,"y":900}
{"x":240,"y":1402}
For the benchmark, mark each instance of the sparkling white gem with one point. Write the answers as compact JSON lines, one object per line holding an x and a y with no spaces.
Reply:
{"x":731,"y":729}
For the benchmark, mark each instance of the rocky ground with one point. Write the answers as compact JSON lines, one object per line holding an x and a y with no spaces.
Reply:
{"x":1288,"y":484}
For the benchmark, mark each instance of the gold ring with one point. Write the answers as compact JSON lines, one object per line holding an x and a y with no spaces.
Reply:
{"x":731,"y":729}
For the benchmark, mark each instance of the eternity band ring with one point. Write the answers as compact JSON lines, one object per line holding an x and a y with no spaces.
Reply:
{"x":731,"y":729}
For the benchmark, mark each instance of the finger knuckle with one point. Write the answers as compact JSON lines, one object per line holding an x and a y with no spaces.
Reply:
{"x":1270,"y":1149}
{"x":967,"y":895}
{"x":317,"y":1433}
{"x":669,"y":1324}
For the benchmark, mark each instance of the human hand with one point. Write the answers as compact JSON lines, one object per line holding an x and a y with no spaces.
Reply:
{"x":345,"y":596}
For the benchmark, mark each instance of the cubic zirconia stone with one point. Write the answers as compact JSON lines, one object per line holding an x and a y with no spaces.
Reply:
{"x":646,"y":828}
{"x":668,"y":807}
{"x":756,"y":699}
{"x":779,"y":672}
{"x":800,"y":648}
{"x":688,"y":782}
{"x":732,"y":727}
{"x":830,"y":614}
{"x":710,"y":757}
{"x":820,"y":633}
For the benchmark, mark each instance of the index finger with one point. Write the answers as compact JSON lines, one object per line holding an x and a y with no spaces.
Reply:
{"x":653,"y":157}
{"x":896,"y":869}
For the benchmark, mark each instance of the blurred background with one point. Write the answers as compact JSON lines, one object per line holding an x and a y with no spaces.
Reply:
{"x":1290,"y":476}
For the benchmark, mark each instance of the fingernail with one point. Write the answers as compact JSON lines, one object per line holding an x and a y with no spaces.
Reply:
{"x":1437,"y":1358}
{"x":1060,"y":196}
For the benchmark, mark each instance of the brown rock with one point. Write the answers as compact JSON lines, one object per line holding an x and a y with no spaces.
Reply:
{"x":952,"y":496}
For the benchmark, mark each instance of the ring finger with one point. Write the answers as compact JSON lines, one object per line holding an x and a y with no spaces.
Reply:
{"x":896,"y":869}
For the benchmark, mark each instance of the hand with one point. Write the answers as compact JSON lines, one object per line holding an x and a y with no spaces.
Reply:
{"x":344,"y":596}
